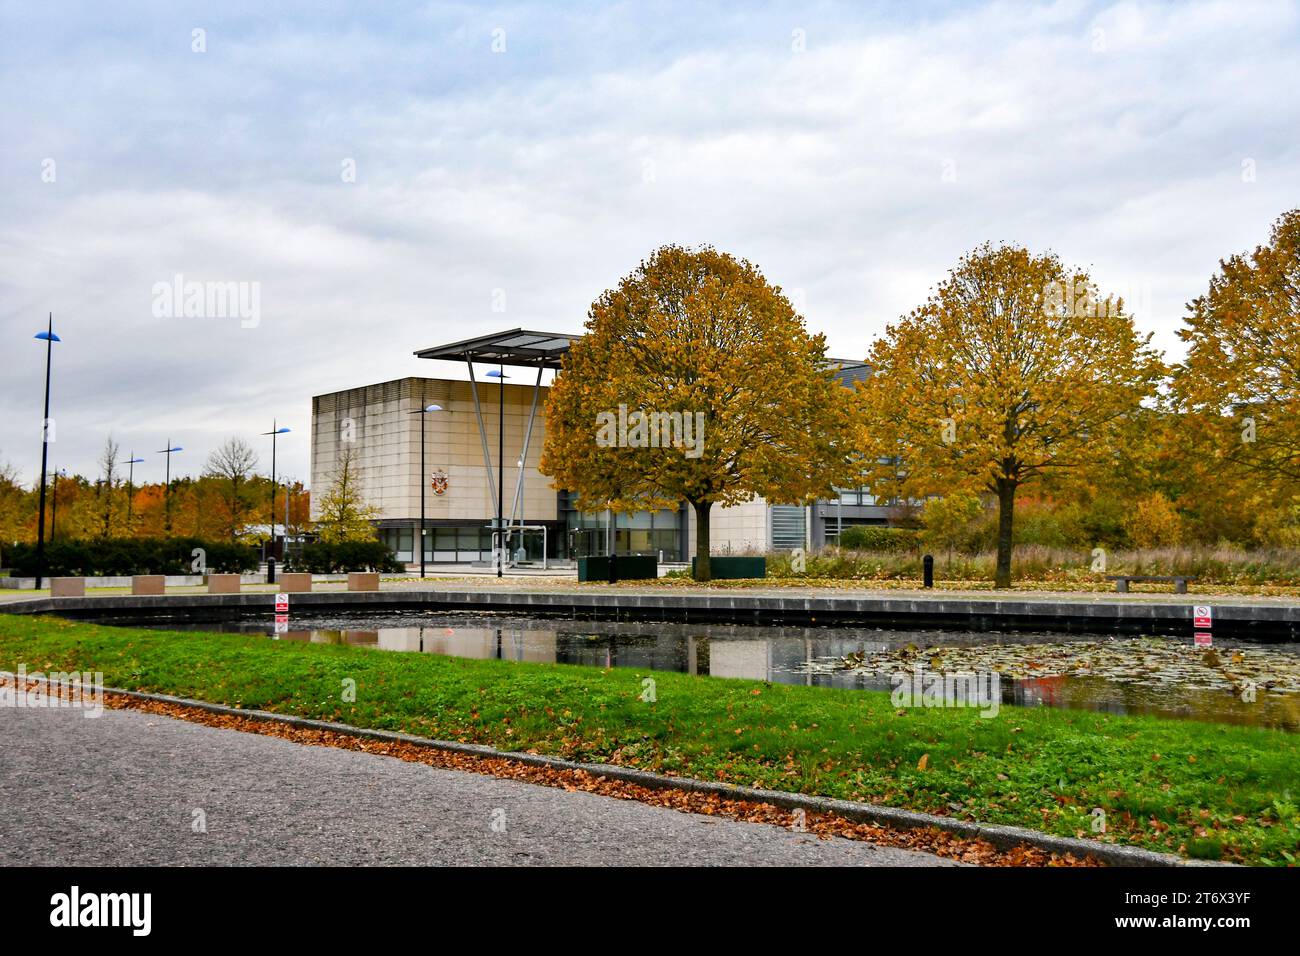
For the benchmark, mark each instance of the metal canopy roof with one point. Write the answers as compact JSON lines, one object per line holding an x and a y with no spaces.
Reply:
{"x":546,"y":349}
{"x":849,"y":372}
{"x":515,"y":347}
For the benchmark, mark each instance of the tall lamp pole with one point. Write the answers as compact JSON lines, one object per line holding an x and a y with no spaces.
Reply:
{"x":130,"y":485}
{"x":422,"y":412}
{"x":50,"y":338}
{"x":500,"y":375}
{"x":54,"y":505}
{"x":167,"y":485}
{"x":273,"y":432}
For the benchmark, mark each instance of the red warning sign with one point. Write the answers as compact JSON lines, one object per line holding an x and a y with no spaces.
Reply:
{"x":282,"y":604}
{"x":1204,"y":639}
{"x":1202,"y":617}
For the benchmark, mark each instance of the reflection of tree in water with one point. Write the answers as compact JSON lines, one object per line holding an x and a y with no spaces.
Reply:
{"x":1212,"y":706}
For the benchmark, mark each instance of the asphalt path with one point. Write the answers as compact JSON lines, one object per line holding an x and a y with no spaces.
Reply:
{"x":130,"y":788}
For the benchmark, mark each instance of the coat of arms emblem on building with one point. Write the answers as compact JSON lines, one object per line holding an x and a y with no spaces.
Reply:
{"x":438,"y":482}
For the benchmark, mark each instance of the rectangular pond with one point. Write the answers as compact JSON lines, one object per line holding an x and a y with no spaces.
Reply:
{"x":1234,"y":681}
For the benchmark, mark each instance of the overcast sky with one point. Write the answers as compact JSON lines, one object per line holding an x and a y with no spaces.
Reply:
{"x":390,"y":177}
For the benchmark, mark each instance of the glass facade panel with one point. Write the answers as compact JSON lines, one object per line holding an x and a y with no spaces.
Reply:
{"x":641,"y":532}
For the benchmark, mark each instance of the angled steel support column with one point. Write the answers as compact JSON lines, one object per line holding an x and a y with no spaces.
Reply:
{"x":523,"y":456}
{"x":482,"y":433}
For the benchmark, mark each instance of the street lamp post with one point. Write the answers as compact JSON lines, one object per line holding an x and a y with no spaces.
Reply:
{"x":500,"y":375}
{"x":50,"y":338}
{"x":130,"y":486}
{"x":54,"y":505}
{"x":273,"y":432}
{"x":424,"y":410}
{"x":167,"y":485}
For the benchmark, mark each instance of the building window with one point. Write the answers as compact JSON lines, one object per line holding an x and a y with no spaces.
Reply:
{"x":788,"y":527}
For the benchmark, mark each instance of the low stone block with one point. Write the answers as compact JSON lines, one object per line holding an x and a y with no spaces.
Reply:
{"x":67,"y":587}
{"x":148,"y":584}
{"x":223,"y":583}
{"x":294,"y":582}
{"x":363,"y":580}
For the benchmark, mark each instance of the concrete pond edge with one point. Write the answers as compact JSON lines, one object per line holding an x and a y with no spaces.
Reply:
{"x":1232,"y":617}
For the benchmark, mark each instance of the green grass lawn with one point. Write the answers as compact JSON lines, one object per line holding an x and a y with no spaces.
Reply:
{"x":1213,"y":790}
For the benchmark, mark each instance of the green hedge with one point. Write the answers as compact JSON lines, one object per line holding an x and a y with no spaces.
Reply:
{"x":865,"y":537}
{"x":322,"y":558}
{"x":724,"y":567}
{"x":120,"y":557}
{"x":627,"y":567}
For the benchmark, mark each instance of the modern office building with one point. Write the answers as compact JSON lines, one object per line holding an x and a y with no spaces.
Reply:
{"x":481,"y":446}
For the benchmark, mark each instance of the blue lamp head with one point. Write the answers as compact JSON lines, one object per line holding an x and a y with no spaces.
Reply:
{"x":497,"y":373}
{"x":281,"y":431}
{"x":47,"y":337}
{"x":433,"y":408}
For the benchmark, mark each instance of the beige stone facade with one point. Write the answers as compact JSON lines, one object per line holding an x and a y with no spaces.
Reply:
{"x":382,"y":426}
{"x":377,"y":421}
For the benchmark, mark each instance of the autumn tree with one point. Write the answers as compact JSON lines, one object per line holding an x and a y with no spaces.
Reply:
{"x":109,"y":504}
{"x":15,"y":507}
{"x":231,"y":467}
{"x":344,"y":514}
{"x":1239,"y":386}
{"x":73,"y":511}
{"x":299,"y":508}
{"x":1014,"y":370}
{"x":696,"y":381}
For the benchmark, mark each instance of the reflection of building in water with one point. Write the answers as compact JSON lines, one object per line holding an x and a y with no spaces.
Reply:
{"x":331,"y":637}
{"x":659,"y":652}
{"x":749,"y":659}
{"x":476,"y":643}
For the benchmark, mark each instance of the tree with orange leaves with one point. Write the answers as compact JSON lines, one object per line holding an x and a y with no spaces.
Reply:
{"x":1240,"y":382}
{"x":696,"y":381}
{"x":1015,"y":369}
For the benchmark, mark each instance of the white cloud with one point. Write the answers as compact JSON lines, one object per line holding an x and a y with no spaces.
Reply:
{"x":1113,"y":134}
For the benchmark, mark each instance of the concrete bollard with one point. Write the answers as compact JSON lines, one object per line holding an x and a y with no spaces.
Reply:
{"x":67,"y":587}
{"x":295,"y":581}
{"x":223,"y":583}
{"x":148,"y":584}
{"x":363,"y":580}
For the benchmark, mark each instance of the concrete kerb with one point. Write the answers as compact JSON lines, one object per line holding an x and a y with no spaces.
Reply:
{"x":1005,"y":837}
{"x":1282,"y":621}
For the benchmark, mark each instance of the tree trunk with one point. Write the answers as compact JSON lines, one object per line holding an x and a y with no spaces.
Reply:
{"x":702,"y":570}
{"x":1006,"y":489}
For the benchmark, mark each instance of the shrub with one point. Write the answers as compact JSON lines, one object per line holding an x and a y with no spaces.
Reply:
{"x":1154,"y":523}
{"x":948,"y":522}
{"x":1279,"y":526}
{"x":335,"y":557}
{"x":121,"y":557}
{"x":865,"y":537}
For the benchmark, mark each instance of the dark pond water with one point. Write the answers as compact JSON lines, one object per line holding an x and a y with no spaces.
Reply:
{"x":1164,"y":676}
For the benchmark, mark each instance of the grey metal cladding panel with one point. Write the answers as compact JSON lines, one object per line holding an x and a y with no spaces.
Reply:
{"x":552,"y":345}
